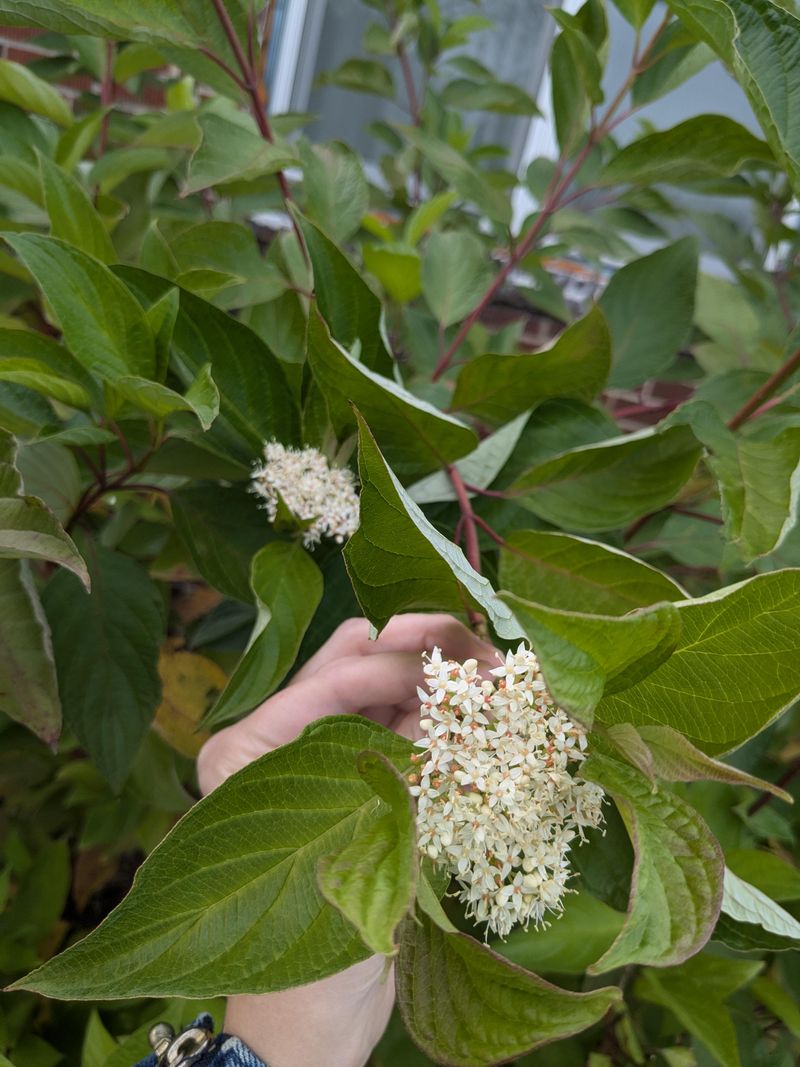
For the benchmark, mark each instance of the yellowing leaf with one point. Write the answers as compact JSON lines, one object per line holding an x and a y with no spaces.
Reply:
{"x":190,"y":684}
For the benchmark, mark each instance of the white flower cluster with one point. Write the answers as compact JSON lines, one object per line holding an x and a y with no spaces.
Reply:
{"x":497,"y":804}
{"x":313,"y":491}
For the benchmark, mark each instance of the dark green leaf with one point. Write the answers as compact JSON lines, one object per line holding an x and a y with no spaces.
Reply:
{"x":232,"y":251}
{"x":73,"y":217}
{"x":416,"y":437}
{"x":576,"y":365}
{"x":676,"y":890}
{"x":106,"y":648}
{"x":288,"y":587}
{"x":574,"y":574}
{"x":40,"y":363}
{"x":649,"y":306}
{"x":465,"y":1005}
{"x":372,"y":880}
{"x":397,"y":561}
{"x":497,"y":96}
{"x":362,"y":76}
{"x":104,"y":326}
{"x":767,"y":872}
{"x":708,"y":690}
{"x":233,"y":150}
{"x":245,"y":889}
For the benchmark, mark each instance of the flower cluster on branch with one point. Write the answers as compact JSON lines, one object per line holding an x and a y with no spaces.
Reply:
{"x":498,"y":803}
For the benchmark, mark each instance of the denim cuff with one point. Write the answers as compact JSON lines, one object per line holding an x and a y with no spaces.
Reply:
{"x":225,"y":1051}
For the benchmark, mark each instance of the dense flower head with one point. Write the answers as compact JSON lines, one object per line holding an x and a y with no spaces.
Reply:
{"x":498,"y":803}
{"x":314,"y":492}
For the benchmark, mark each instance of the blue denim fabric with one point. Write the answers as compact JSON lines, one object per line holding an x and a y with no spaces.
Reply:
{"x":226,"y":1051}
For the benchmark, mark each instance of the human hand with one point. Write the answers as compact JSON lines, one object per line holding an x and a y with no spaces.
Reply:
{"x":337,"y":1020}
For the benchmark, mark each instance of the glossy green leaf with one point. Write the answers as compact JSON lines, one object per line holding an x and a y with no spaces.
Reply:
{"x":223,"y":528}
{"x":287,"y":585}
{"x":351,"y":309}
{"x":28,"y":529}
{"x":28,"y":684}
{"x":465,"y":1005}
{"x":675,"y":759}
{"x":20,"y":86}
{"x":372,"y":880}
{"x":607,"y":485}
{"x":708,"y":690}
{"x":398,"y":561}
{"x":231,"y":150}
{"x":695,"y":993}
{"x":583,"y":656}
{"x":760,"y":42}
{"x":73,"y":217}
{"x":576,"y":365}
{"x":572,"y":942}
{"x":106,"y":647}
{"x":255,"y":401}
{"x":104,"y":326}
{"x":707,"y":146}
{"x":336,"y":191}
{"x":574,"y":574}
{"x":455,"y":274}
{"x":416,"y":437}
{"x":246,"y":889}
{"x":649,"y":305}
{"x":676,"y":890}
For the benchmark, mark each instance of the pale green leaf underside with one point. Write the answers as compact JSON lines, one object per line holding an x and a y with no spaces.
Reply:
{"x":228,"y":902}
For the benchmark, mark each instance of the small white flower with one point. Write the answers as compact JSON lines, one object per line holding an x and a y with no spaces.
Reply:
{"x":314,"y":491}
{"x":497,"y":804}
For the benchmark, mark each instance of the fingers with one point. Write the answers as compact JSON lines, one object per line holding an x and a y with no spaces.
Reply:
{"x":347,"y":686}
{"x":414,"y":632}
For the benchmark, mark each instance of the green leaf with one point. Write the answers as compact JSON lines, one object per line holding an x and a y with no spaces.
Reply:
{"x":397,"y":268}
{"x":760,"y":42}
{"x":348,"y":305}
{"x":416,"y":437}
{"x":20,"y":86}
{"x":767,"y":872}
{"x":231,"y":249}
{"x":288,"y":588}
{"x":708,"y":690}
{"x":28,"y":529}
{"x":707,"y":146}
{"x":576,"y":365}
{"x":28,"y":685}
{"x":776,"y":999}
{"x":500,"y":97}
{"x":202,"y":396}
{"x":574,"y":574}
{"x":372,"y":880}
{"x":676,"y":888}
{"x":223,"y":528}
{"x":457,"y":171}
{"x":649,"y":305}
{"x":38,"y":362}
{"x":256,"y":403}
{"x":106,"y":649}
{"x":22,"y":178}
{"x":465,"y":1005}
{"x":695,"y":993}
{"x":398,"y":561}
{"x":677,"y":56}
{"x":675,"y":759}
{"x":583,"y":656}
{"x":337,"y":195}
{"x":571,"y":943}
{"x":104,"y":326}
{"x":51,"y":472}
{"x":113,"y":167}
{"x":571,"y":104}
{"x":76,"y":140}
{"x":361,"y":76}
{"x":455,"y":273}
{"x":748,"y":906}
{"x":604,"y":486}
{"x":635,"y":11}
{"x":242,"y":881}
{"x":98,"y":1044}
{"x":73,"y":217}
{"x":233,"y":150}
{"x":425,"y":216}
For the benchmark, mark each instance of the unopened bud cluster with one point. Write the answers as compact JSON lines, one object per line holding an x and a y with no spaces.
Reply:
{"x":497,"y":803}
{"x":314,"y":492}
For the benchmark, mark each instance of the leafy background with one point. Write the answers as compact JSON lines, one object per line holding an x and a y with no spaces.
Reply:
{"x":627,"y":499}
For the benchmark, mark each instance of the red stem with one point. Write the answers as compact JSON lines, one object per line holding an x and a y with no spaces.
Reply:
{"x":770,"y":386}
{"x":471,"y":547}
{"x":106,"y":96}
{"x":788,"y":775}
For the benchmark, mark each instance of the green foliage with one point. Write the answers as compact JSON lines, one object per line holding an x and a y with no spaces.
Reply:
{"x":155,"y":334}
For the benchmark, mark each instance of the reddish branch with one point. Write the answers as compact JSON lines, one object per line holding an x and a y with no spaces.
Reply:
{"x":770,"y":386}
{"x":252,"y":85}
